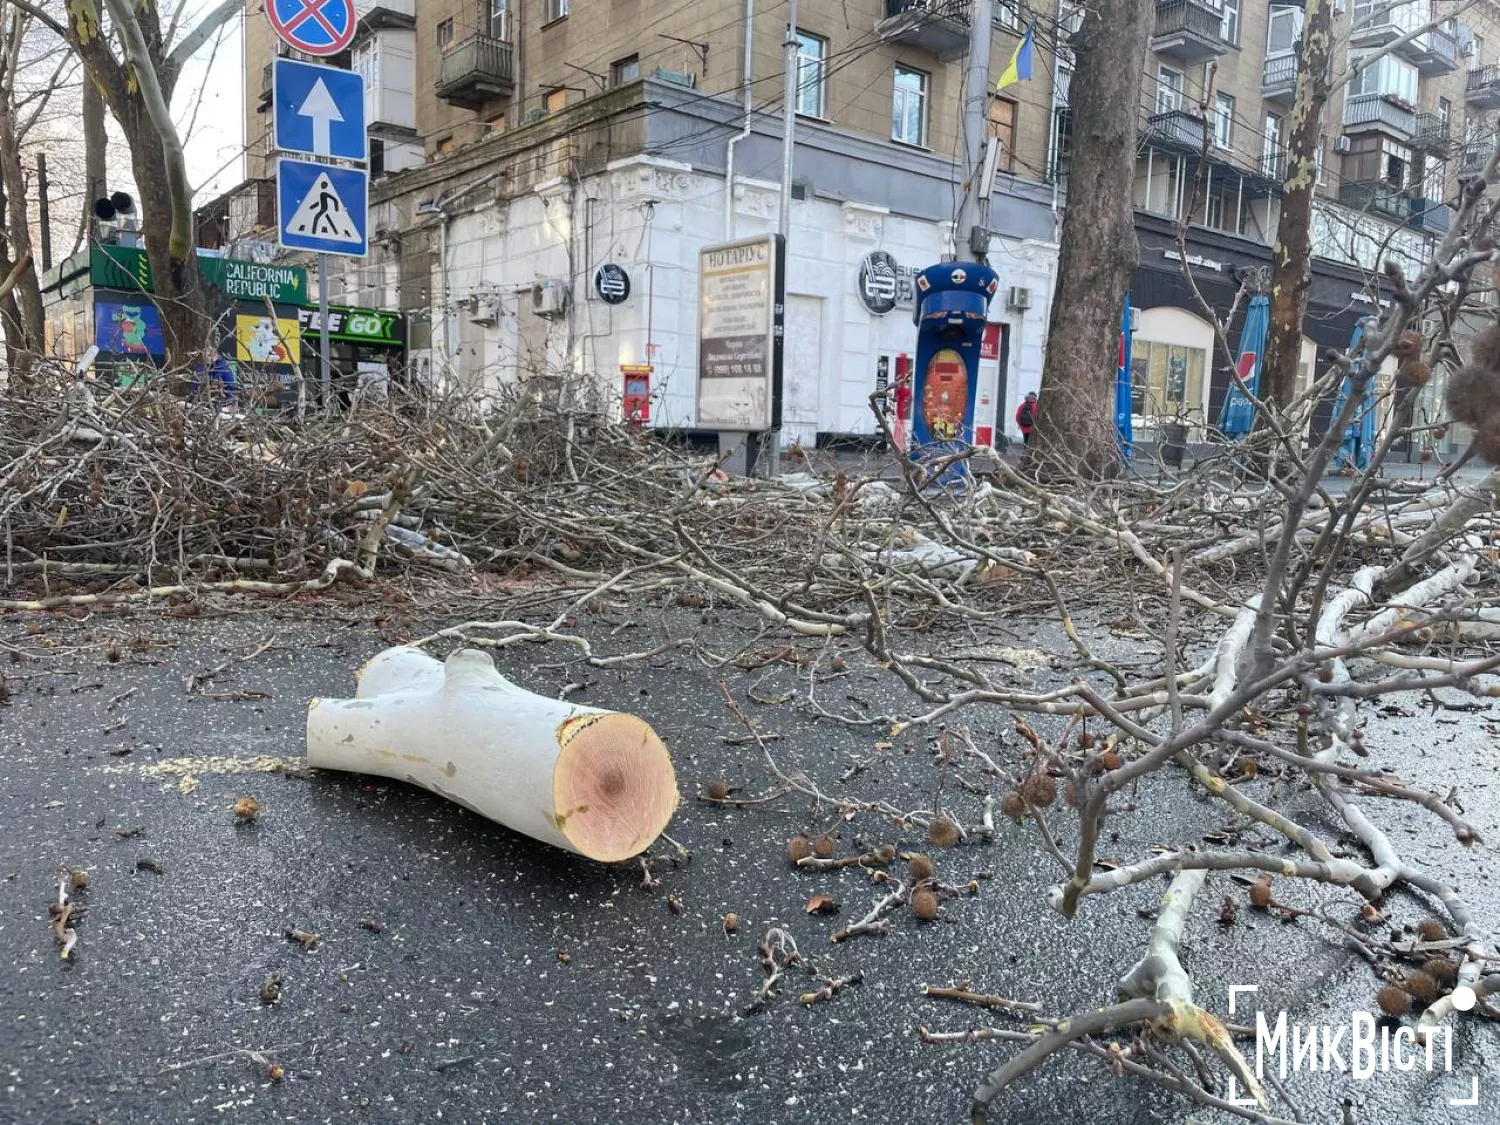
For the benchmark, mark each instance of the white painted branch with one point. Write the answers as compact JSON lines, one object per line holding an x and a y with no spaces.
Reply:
{"x":599,"y":783}
{"x":1230,"y":649}
{"x":1448,"y":579}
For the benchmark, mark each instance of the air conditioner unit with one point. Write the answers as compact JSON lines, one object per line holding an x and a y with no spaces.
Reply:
{"x":1018,"y":298}
{"x":1341,"y":143}
{"x":549,"y":299}
{"x":484,"y":311}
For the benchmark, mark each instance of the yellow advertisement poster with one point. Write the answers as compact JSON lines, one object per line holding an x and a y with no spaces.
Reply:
{"x":262,"y":339}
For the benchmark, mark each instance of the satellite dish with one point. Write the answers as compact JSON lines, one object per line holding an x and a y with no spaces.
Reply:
{"x":122,"y":203}
{"x":104,"y":210}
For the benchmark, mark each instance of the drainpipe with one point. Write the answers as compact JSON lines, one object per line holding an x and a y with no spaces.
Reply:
{"x":745,"y":131}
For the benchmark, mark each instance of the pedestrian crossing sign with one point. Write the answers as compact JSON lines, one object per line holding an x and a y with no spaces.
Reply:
{"x":323,"y":208}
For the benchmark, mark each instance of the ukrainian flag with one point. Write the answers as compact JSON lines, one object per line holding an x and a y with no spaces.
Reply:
{"x":1019,"y":69}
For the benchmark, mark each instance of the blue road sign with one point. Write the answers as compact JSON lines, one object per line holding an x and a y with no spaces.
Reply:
{"x":316,"y":27}
{"x":319,"y":110}
{"x":323,"y":208}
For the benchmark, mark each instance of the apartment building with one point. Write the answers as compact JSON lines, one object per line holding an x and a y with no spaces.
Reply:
{"x":521,"y":145}
{"x":1398,"y":139}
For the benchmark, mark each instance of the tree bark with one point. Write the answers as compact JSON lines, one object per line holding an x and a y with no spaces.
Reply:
{"x":1292,"y":258}
{"x":95,"y":151}
{"x":1075,"y":428}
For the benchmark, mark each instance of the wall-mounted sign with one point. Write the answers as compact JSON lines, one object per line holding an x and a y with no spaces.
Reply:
{"x":741,"y":305}
{"x":261,"y":339}
{"x":122,"y":328}
{"x":1194,"y":260}
{"x":126,"y":267}
{"x":369,"y":327}
{"x":611,"y":283}
{"x":885,"y":284}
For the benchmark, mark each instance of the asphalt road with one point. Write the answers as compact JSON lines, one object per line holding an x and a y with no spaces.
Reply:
{"x":463,"y":1007}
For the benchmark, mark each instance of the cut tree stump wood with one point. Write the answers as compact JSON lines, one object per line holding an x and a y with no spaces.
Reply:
{"x":599,"y":783}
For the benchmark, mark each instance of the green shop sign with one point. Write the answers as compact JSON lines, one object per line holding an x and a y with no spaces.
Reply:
{"x":370,"y":327}
{"x":126,"y":267}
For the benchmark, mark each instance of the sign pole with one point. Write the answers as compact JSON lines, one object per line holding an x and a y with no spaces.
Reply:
{"x":325,"y":368}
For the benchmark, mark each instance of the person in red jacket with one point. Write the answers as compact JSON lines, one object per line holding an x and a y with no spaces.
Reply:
{"x":1026,"y":417}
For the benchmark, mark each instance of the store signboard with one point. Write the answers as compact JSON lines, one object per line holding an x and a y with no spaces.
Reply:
{"x":741,"y":302}
{"x":368,"y":327}
{"x":127,"y":267}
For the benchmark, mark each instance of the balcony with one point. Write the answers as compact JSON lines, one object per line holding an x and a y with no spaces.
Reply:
{"x":1435,"y":52}
{"x":1176,"y":129}
{"x":1366,"y":112}
{"x":1431,"y":134}
{"x":1377,"y":198}
{"x":938,"y":26}
{"x":377,"y":14}
{"x":1483,"y":90}
{"x":1278,"y":81}
{"x":1188,"y":30}
{"x":1429,"y":215}
{"x":476,"y":70}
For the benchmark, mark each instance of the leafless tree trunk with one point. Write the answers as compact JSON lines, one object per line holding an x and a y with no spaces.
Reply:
{"x":1075,"y":429}
{"x":1292,"y":257}
{"x":95,"y":152}
{"x":138,"y":90}
{"x":30,"y":341}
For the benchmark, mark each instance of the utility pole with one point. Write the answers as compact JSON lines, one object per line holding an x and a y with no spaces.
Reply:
{"x":768,"y":462}
{"x":972,"y":233}
{"x":44,"y":210}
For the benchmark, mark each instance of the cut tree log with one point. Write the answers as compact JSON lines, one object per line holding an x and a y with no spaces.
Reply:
{"x":599,"y":783}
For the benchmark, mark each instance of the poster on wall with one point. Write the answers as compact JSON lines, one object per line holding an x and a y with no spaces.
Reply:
{"x":261,"y":339}
{"x":741,"y":293}
{"x":122,"y":328}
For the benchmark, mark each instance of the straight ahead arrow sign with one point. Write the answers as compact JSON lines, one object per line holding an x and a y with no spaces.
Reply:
{"x":324,"y":111}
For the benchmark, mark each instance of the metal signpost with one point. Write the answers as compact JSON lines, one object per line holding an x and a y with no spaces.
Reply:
{"x":740,"y":341}
{"x":320,"y":112}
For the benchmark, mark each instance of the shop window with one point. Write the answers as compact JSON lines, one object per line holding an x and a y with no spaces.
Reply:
{"x":1167,"y":381}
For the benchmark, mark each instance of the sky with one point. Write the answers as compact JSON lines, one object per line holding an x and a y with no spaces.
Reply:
{"x":212,"y":83}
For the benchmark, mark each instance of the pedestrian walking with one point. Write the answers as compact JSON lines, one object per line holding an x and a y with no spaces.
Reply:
{"x":1026,"y":417}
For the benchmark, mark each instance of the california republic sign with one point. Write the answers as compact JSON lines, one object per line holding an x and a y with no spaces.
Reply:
{"x":884,"y":283}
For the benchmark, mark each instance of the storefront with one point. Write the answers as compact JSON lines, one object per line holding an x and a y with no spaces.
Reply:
{"x":1178,"y":371}
{"x":263,"y":325}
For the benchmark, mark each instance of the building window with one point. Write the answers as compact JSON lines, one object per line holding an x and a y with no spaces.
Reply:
{"x":1007,"y":14}
{"x":445,"y":34}
{"x":1223,"y":121}
{"x":1270,"y":160}
{"x":1445,"y":114}
{"x":1284,"y":31}
{"x":1002,"y":124}
{"x":554,"y":10}
{"x":444,"y":145}
{"x":1166,"y":379}
{"x":1168,"y":90}
{"x":1320,"y":159}
{"x":909,"y":107}
{"x":812,"y":74}
{"x":499,"y":19}
{"x":1476,"y":57}
{"x":1229,"y":24}
{"x":554,"y":100}
{"x":625,"y":71}
{"x":495,"y":125}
